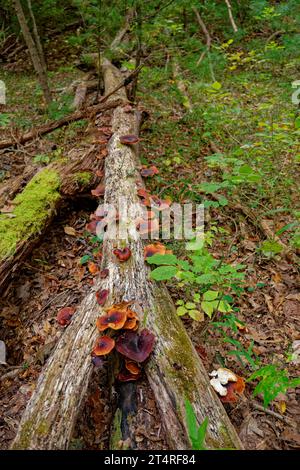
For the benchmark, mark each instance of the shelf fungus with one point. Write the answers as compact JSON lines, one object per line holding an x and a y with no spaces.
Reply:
{"x":126,"y":376}
{"x":129,"y":139}
{"x":132,"y":367}
{"x":104,"y":345}
{"x":149,"y":172}
{"x":123,"y":254}
{"x":155,"y":248}
{"x":115,"y":318}
{"x":132,"y":320}
{"x":134,"y":346}
{"x":101,"y":296}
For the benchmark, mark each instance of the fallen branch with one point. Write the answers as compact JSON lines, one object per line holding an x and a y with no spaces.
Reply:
{"x":206,"y":33}
{"x":231,"y":18}
{"x":52,"y":126}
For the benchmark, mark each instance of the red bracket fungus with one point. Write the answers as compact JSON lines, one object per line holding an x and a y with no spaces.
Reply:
{"x":64,"y":316}
{"x":129,"y":139}
{"x":99,"y":190}
{"x":104,"y":345}
{"x":114,"y":318}
{"x":234,"y":389}
{"x":134,"y":346}
{"x":101,"y":296}
{"x":132,"y":320}
{"x":148,"y":172}
{"x":123,"y":254}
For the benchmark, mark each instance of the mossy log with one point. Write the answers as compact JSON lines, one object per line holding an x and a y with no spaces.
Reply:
{"x":174,"y":371}
{"x":35,"y":206}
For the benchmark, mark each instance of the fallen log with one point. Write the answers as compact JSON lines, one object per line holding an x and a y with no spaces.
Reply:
{"x":52,"y":126}
{"x":33,"y":209}
{"x":175,"y":371}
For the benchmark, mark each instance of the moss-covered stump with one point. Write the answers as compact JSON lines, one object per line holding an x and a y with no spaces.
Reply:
{"x":34,"y":207}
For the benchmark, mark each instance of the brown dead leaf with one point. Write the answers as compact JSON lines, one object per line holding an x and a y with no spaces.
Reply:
{"x":70,"y":231}
{"x":269,"y":303}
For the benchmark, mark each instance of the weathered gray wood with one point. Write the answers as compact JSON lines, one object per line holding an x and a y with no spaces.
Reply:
{"x":175,"y":371}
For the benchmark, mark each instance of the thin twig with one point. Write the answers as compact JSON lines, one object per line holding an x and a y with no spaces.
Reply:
{"x":259,"y":407}
{"x":234,"y":26}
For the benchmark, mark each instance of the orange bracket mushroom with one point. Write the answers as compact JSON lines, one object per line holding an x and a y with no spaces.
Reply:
{"x":129,"y":139}
{"x":132,"y":320}
{"x":104,"y":345}
{"x":114,"y":318}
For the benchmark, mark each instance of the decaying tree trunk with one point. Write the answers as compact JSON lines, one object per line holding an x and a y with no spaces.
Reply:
{"x":52,"y":126}
{"x":175,"y":371}
{"x":67,"y":181}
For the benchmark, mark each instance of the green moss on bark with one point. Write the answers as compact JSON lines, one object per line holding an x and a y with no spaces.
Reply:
{"x":32,"y":208}
{"x":83,"y":177}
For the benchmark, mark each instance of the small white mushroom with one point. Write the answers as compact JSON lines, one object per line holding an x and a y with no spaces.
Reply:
{"x":221,"y":377}
{"x":218,"y":387}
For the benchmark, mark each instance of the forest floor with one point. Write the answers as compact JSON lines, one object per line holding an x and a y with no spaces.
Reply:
{"x":230,"y":145}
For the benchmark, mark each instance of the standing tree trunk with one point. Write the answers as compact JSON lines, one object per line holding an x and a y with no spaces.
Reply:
{"x":33,"y":50}
{"x":37,"y":36}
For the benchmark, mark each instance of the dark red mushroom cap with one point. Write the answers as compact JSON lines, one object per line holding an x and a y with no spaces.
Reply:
{"x":148,"y":172}
{"x":104,"y":345}
{"x":134,"y":346}
{"x":99,"y":191}
{"x":101,"y":296}
{"x":64,"y":316}
{"x":129,"y":139}
{"x":104,"y":273}
{"x":123,"y":254}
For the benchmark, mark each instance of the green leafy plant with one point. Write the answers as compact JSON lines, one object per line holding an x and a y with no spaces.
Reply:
{"x":196,"y":433}
{"x":271,"y":248}
{"x":202,"y":269}
{"x":4,"y":119}
{"x":272,"y":382}
{"x":190,"y":308}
